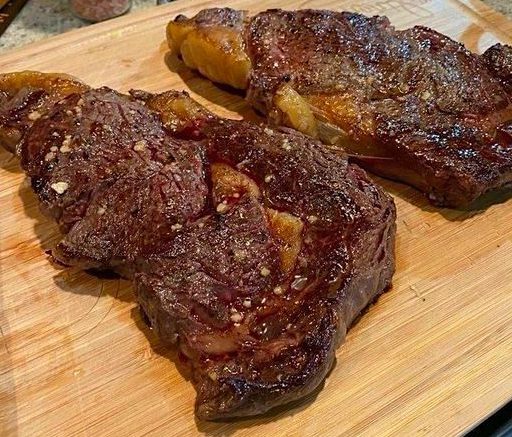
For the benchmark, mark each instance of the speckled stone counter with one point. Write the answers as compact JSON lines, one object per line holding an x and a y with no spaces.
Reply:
{"x":43,"y":18}
{"x":503,"y":6}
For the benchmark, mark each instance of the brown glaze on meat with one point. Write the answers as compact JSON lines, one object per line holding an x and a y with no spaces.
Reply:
{"x":412,"y":105}
{"x":215,"y":35}
{"x":97,"y":159}
{"x":250,"y":341}
{"x":252,"y":249}
{"x":498,"y":59}
{"x":26,"y":96}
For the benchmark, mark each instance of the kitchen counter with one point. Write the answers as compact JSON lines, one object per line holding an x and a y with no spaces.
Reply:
{"x":43,"y":18}
{"x":503,"y":6}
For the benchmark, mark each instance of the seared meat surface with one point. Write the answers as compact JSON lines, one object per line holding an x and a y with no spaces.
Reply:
{"x":96,"y":159}
{"x":251,"y":249}
{"x":25,"y":97}
{"x":411,"y":105}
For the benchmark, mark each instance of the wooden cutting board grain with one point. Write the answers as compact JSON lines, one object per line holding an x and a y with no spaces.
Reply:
{"x":432,"y":357}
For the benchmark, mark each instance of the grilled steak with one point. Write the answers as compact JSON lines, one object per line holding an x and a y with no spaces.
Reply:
{"x":25,"y":97}
{"x":411,"y":105}
{"x":97,"y":159}
{"x":252,"y":249}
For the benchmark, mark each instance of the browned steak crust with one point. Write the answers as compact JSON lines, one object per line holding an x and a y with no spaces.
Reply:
{"x":25,"y":97}
{"x":98,"y":159}
{"x":413,"y":105}
{"x":226,"y":267}
{"x":251,"y":249}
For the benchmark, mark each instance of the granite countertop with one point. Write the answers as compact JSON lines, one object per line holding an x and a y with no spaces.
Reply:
{"x":42,"y":18}
{"x":503,"y":6}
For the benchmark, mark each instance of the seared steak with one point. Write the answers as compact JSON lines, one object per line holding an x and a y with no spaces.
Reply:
{"x":411,"y":105}
{"x":25,"y":97}
{"x":97,"y":159}
{"x":252,"y":249}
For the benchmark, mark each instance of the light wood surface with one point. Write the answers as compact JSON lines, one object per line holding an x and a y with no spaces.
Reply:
{"x":432,"y":357}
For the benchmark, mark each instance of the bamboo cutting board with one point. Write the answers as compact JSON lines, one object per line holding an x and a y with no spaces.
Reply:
{"x":431,"y":357}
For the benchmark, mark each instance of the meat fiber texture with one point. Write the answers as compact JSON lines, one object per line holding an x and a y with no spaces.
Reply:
{"x":411,"y":105}
{"x":251,"y":249}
